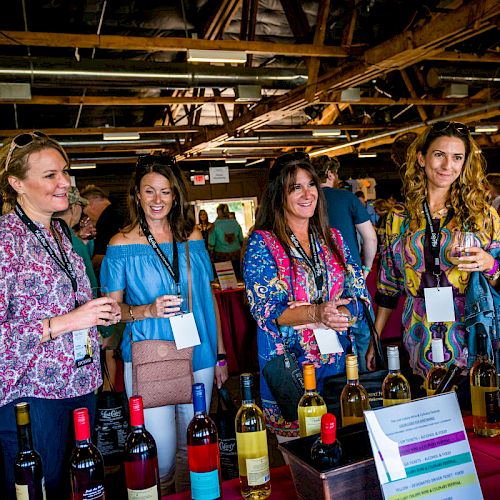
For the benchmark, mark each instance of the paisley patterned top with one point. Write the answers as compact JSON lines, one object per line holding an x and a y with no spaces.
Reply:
{"x":271,"y":282}
{"x":406,"y":267}
{"x":33,"y":287}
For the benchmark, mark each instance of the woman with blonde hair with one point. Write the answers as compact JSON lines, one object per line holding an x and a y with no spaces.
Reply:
{"x":445,"y":196}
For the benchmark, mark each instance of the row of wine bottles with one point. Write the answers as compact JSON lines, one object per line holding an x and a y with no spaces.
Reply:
{"x":140,"y":457}
{"x":354,"y":399}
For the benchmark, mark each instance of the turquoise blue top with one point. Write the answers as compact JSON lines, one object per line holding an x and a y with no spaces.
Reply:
{"x":138,"y":271}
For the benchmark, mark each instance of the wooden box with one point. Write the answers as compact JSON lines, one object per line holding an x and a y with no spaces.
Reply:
{"x":355,"y":478}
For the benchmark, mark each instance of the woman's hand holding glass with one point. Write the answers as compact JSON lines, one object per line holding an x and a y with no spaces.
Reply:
{"x":103,"y":311}
{"x":331,"y":314}
{"x":164,"y":306}
{"x":466,"y":253}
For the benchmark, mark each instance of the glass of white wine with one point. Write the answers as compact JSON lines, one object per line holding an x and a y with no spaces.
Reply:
{"x":351,"y":310}
{"x":461,"y":241}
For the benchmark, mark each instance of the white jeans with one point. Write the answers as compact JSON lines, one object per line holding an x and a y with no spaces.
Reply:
{"x":168,"y":425}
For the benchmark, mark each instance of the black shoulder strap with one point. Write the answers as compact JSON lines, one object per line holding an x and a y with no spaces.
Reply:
{"x":64,"y":226}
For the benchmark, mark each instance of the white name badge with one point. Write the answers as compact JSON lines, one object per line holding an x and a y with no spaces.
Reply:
{"x":328,"y":341}
{"x":82,"y":348}
{"x":439,"y":304}
{"x":184,"y":330}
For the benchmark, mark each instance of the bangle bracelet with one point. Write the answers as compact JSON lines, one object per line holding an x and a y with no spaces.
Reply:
{"x":49,"y":330}
{"x":492,"y":271}
{"x":222,"y":362}
{"x":131,"y":313}
{"x":366,"y":269}
{"x":221,"y":356}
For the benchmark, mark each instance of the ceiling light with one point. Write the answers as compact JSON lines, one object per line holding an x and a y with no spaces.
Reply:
{"x":367,"y":154}
{"x":456,"y":90}
{"x":216,"y":56}
{"x":248,"y":93}
{"x":236,"y":160}
{"x":327,"y":132}
{"x":15,"y":91}
{"x":486,"y":128}
{"x":352,"y":94}
{"x":121,"y":136}
{"x":81,"y":166}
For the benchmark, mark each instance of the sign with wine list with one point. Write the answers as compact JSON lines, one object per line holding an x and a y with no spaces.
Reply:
{"x":421,"y":450}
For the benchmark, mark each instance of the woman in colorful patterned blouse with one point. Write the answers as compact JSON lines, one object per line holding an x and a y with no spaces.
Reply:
{"x":294,"y":258}
{"x":49,"y":354}
{"x":445,"y":191}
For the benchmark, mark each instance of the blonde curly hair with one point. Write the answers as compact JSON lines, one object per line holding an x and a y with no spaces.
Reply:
{"x":468,"y":194}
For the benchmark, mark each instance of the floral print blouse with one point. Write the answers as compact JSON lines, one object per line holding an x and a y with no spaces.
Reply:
{"x":33,"y":287}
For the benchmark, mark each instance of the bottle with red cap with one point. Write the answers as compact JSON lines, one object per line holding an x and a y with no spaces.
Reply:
{"x":326,"y":452}
{"x":86,"y":463}
{"x":141,"y":458}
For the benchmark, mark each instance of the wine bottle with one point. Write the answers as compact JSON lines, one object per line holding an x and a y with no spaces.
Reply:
{"x":326,"y":452}
{"x":438,"y":370}
{"x":395,"y":388}
{"x":142,"y":476}
{"x":311,"y":405}
{"x":251,"y":441}
{"x":483,"y":384}
{"x":86,"y":463}
{"x":28,"y":470}
{"x":354,"y":398}
{"x":203,"y":450}
{"x":454,"y":376}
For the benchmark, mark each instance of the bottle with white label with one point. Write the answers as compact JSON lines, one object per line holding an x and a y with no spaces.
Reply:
{"x":251,"y":441}
{"x":311,"y":406}
{"x":438,"y":370}
{"x":395,"y":388}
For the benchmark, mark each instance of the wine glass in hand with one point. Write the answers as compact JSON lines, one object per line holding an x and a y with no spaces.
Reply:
{"x":461,"y":242}
{"x":350,"y":311}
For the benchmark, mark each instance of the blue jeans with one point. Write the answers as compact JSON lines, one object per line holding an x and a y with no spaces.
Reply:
{"x":361,"y":333}
{"x":53,"y":438}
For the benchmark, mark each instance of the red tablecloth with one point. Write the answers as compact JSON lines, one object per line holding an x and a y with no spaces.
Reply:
{"x":485,"y":451}
{"x":239,"y":330}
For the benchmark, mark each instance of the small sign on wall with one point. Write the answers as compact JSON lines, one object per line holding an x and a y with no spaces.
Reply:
{"x":199,"y":180}
{"x":219,"y":175}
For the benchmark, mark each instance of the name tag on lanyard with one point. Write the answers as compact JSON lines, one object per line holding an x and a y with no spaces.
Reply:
{"x":82,"y":347}
{"x":439,"y":305}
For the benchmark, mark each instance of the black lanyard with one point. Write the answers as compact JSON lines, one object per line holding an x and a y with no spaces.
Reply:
{"x":64,"y":263}
{"x":314,"y":262}
{"x":173,"y":268}
{"x":435,"y":239}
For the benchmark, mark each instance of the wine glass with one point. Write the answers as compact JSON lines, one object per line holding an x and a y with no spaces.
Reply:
{"x":461,"y":240}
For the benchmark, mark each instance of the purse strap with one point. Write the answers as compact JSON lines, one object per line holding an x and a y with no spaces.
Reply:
{"x":379,"y":353}
{"x":190,"y":284}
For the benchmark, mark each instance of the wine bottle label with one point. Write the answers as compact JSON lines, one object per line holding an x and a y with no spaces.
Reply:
{"x":392,"y":402}
{"x":22,"y":491}
{"x":491,"y":404}
{"x":313,"y":425}
{"x":94,"y":493}
{"x":258,"y":470}
{"x":250,"y":445}
{"x":478,"y":398}
{"x":146,"y":494}
{"x":205,"y":485}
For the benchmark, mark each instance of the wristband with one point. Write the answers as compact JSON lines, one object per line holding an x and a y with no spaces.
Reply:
{"x":222,"y":362}
{"x":221,"y":356}
{"x":49,"y":330}
{"x":492,"y":271}
{"x":131,"y":313}
{"x":366,"y":269}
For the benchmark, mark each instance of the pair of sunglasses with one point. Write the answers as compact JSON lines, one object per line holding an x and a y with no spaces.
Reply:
{"x":21,"y":141}
{"x":442,"y":126}
{"x":159,"y":159}
{"x":287,"y":159}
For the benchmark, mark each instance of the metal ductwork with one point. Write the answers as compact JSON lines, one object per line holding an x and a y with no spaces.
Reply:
{"x":437,"y":77}
{"x":135,"y":74}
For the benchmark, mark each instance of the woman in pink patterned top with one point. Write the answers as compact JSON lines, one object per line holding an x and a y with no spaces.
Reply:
{"x":49,"y":352}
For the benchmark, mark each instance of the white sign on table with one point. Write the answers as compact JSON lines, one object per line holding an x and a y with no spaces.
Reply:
{"x":226,"y":275}
{"x":421,"y":450}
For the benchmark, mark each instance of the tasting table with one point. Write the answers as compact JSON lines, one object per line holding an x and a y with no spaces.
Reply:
{"x":485,"y":451}
{"x":239,"y":330}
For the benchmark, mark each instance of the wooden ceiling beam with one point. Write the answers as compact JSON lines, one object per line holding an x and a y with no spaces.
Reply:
{"x":413,"y":93}
{"x":221,"y":19}
{"x":296,"y":17}
{"x":169,"y":44}
{"x":452,"y":56}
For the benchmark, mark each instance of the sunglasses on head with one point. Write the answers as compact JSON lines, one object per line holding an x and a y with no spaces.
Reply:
{"x":148,"y":160}
{"x":443,"y":126}
{"x":21,"y":141}
{"x":288,"y":159}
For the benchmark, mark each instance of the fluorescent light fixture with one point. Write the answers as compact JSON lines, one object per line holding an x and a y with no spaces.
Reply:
{"x":352,"y":94}
{"x":486,"y":128}
{"x":121,"y":136}
{"x":15,"y":91}
{"x":248,"y":93}
{"x":82,"y":166}
{"x":327,"y":132}
{"x":216,"y":56}
{"x":236,"y":160}
{"x":366,"y":154}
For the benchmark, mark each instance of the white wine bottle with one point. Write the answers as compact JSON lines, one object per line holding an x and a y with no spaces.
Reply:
{"x":251,"y":441}
{"x":311,"y":405}
{"x":354,"y":398}
{"x":438,"y":370}
{"x":483,"y":387}
{"x":395,"y":388}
